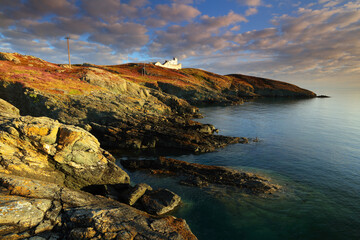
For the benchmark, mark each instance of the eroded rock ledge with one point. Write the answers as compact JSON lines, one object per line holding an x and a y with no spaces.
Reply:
{"x":202,"y":175}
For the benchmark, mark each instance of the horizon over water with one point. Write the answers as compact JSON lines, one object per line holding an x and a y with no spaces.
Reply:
{"x":310,"y":147}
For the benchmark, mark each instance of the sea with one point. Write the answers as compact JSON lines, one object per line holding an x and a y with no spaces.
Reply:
{"x":310,"y":147}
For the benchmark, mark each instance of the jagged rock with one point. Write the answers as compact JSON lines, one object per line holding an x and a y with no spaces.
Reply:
{"x":200,"y":175}
{"x":159,"y":201}
{"x":42,"y":148}
{"x":30,"y":207}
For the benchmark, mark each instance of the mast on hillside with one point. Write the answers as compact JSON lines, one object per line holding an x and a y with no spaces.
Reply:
{"x":68,"y":46}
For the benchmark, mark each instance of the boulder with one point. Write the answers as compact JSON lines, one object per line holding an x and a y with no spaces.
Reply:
{"x":44,"y":149}
{"x":159,"y":201}
{"x":132,"y":194}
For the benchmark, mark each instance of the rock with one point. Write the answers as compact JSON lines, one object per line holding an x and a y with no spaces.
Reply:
{"x":204,"y":128}
{"x":21,"y":212}
{"x":141,"y":196}
{"x":200,"y":175}
{"x":134,"y":193}
{"x":9,"y":57}
{"x":7,"y":108}
{"x":44,"y":149}
{"x":33,"y":208}
{"x":159,"y":201}
{"x":121,"y":192}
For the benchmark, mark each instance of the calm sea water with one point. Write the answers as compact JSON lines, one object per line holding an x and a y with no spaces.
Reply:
{"x":310,"y":147}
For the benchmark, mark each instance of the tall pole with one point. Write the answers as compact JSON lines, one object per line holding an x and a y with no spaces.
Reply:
{"x":68,"y":45}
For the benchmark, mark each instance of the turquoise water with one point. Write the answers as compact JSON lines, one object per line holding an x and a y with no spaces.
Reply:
{"x":310,"y":147}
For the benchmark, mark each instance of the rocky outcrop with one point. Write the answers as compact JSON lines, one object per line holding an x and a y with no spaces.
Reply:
{"x":35,"y":208}
{"x":169,"y":134}
{"x":201,"y":175}
{"x":43,"y":163}
{"x":263,"y":87}
{"x":44,"y":149}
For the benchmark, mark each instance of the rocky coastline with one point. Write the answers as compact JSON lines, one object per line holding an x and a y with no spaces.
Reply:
{"x":57,"y":181}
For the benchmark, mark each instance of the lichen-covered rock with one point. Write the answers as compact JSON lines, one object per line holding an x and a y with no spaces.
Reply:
{"x":37,"y":209}
{"x":42,"y":148}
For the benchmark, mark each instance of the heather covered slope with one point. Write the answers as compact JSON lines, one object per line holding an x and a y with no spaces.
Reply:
{"x":201,"y":87}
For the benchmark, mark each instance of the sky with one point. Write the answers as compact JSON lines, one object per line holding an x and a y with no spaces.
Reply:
{"x":315,"y":44}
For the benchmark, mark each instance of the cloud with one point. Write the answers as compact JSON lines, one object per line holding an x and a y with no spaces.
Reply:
{"x":36,"y":9}
{"x":313,"y":44}
{"x":252,"y":3}
{"x":251,"y":11}
{"x":123,"y":37}
{"x":204,"y":37}
{"x":176,"y":12}
{"x":113,"y":10}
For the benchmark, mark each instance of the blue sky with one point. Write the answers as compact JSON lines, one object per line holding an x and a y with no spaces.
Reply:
{"x":315,"y":44}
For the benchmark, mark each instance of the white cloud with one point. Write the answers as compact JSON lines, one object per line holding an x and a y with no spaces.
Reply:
{"x":251,"y":11}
